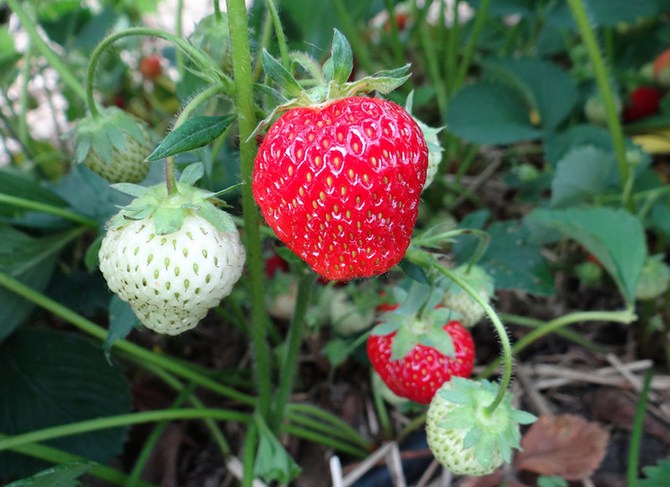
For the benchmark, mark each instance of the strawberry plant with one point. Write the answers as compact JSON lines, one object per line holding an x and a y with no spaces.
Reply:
{"x":266,"y":239}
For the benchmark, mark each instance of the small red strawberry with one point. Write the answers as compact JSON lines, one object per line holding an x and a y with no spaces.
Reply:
{"x":644,"y":101}
{"x":150,"y":66}
{"x":416,"y":352}
{"x":339,"y":179}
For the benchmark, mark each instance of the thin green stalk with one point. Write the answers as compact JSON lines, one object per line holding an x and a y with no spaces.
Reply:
{"x":483,"y":239}
{"x":25,"y":95}
{"x":279,"y":32}
{"x":625,"y":316}
{"x":300,"y":413}
{"x":322,"y":439}
{"x":602,"y":79}
{"x":152,"y":439}
{"x":293,"y":342}
{"x":428,"y":47}
{"x":54,"y":59}
{"x":266,"y":34}
{"x":361,"y":51}
{"x":453,"y":43}
{"x":46,"y":208}
{"x":468,"y":52}
{"x":214,"y":430}
{"x":382,"y":413}
{"x":191,"y":106}
{"x":249,"y":455}
{"x":396,"y":45}
{"x":138,"y":354}
{"x":178,"y":30}
{"x":98,"y":424}
{"x":56,"y":456}
{"x":244,"y":104}
{"x":206,"y":64}
{"x":573,"y":336}
{"x":217,"y":11}
{"x":424,"y":258}
{"x":638,"y":429}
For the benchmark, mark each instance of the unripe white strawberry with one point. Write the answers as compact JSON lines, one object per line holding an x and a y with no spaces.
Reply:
{"x":175,"y":263}
{"x":114,"y":144}
{"x":463,"y":436}
{"x":467,"y":310}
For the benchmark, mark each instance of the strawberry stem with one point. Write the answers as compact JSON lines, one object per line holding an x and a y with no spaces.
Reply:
{"x":434,"y":241}
{"x":426,"y":260}
{"x":209,"y":69}
{"x":279,"y":32}
{"x":244,"y":104}
{"x":604,"y":86}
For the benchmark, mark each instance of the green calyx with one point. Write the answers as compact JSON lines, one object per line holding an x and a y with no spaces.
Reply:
{"x":106,"y":133}
{"x":168,"y":211}
{"x":328,"y":82}
{"x":490,"y":434}
{"x":417,"y":321}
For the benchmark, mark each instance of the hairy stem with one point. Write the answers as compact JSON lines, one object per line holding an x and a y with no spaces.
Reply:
{"x":244,"y":104}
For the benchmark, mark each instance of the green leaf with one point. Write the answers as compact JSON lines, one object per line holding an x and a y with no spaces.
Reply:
{"x":122,"y":320}
{"x":22,"y":187}
{"x":553,"y":481}
{"x":52,"y":378}
{"x":512,"y":259}
{"x":615,"y":237}
{"x":31,"y":261}
{"x":273,"y":463}
{"x":194,"y":133}
{"x":490,"y":113}
{"x":583,"y":173}
{"x":280,"y":75}
{"x":544,"y":86}
{"x":342,"y":58}
{"x":656,"y":475}
{"x":64,"y":475}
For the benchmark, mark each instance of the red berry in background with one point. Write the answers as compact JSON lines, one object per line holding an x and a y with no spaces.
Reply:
{"x":419,"y":374}
{"x":340,"y":182}
{"x":150,"y":67}
{"x":644,"y":102}
{"x":662,"y":68}
{"x":275,"y":264}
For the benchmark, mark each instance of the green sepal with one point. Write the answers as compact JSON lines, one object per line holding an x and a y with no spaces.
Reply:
{"x":438,"y":339}
{"x":403,"y":343}
{"x":279,"y":74}
{"x":105,"y":133}
{"x":488,"y":433}
{"x":130,"y":189}
{"x":383,"y":82}
{"x":192,"y":173}
{"x":341,"y":58}
{"x":168,"y":220}
{"x":221,"y":220}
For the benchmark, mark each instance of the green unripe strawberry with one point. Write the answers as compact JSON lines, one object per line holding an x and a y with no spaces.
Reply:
{"x":463,"y":436}
{"x":114,"y":144}
{"x":467,"y":310}
{"x":654,"y":278}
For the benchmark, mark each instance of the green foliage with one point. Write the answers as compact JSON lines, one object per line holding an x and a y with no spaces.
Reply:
{"x":196,"y":132}
{"x":656,"y":475}
{"x":64,"y":475}
{"x":51,"y":378}
{"x":600,"y":231}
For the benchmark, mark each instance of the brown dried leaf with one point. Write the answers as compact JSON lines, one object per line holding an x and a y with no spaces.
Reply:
{"x":567,"y":446}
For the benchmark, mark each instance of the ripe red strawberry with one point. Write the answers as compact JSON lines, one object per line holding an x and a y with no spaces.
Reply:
{"x":420,"y":372}
{"x":340,"y":184}
{"x":644,"y":101}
